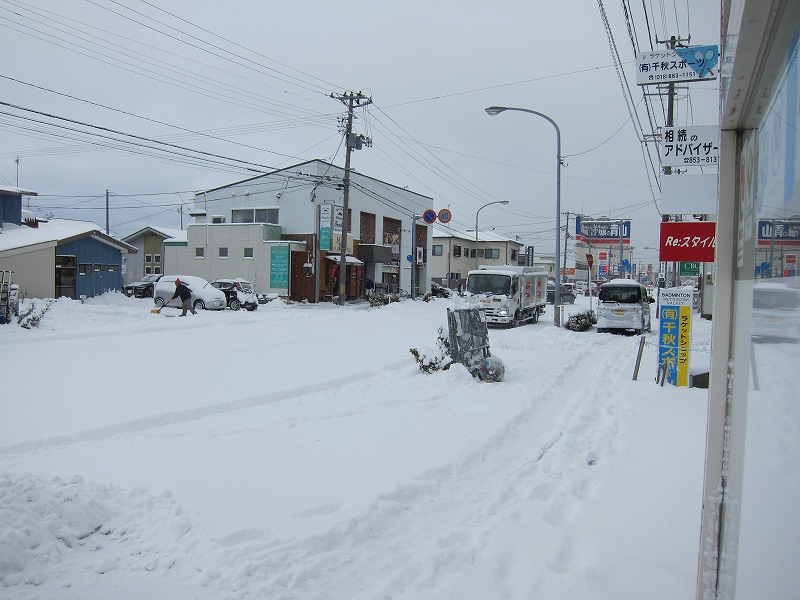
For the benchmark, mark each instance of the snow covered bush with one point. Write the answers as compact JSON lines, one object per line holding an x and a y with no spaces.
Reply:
{"x":581,"y":321}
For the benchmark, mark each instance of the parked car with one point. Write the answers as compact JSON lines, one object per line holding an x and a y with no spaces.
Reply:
{"x":238,"y":293}
{"x":142,"y":288}
{"x":567,"y":295}
{"x":204,"y":295}
{"x":776,"y":313}
{"x":440,"y":291}
{"x":623,"y":305}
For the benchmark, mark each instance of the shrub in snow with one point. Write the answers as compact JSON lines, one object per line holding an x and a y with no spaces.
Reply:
{"x":581,"y":321}
{"x":440,"y":361}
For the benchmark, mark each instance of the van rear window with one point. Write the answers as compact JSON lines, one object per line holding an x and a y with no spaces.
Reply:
{"x":622,"y":294}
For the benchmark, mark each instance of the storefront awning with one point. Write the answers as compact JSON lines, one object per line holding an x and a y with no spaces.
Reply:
{"x":350,"y":260}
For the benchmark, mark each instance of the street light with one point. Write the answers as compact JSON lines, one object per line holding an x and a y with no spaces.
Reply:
{"x":476,"y":226}
{"x":496,"y":110}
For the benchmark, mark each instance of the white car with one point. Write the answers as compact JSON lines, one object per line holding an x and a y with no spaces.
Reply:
{"x":776,"y":313}
{"x":204,"y":295}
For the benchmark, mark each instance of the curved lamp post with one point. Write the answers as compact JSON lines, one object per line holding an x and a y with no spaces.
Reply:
{"x":496,"y":110}
{"x":476,"y":226}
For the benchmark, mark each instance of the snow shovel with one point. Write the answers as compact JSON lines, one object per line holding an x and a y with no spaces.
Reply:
{"x":156,"y":311}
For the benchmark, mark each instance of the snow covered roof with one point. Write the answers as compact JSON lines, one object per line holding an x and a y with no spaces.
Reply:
{"x":167,"y":233}
{"x":483,"y":236}
{"x":6,"y":189}
{"x":631,"y":282}
{"x":53,"y":232}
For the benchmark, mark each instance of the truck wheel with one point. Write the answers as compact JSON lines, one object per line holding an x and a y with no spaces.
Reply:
{"x":517,"y":319}
{"x":535,"y":315}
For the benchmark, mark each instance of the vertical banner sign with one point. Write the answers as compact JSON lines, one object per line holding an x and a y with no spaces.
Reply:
{"x":675,"y":333}
{"x":529,"y":256}
{"x":279,"y":267}
{"x":325,"y":216}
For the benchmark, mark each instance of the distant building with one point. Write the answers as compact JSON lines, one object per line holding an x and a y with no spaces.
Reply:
{"x":454,"y":253}
{"x":282,"y":232}
{"x":59,"y":257}
{"x":148,"y":260}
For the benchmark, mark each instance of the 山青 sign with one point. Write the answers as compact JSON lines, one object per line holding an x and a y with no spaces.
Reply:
{"x":598,"y":232}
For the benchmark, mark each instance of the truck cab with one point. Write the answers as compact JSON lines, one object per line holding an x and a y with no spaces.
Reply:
{"x":508,"y":295}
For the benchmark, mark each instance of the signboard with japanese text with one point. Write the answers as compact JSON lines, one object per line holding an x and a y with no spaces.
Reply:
{"x":675,"y":333}
{"x":325,"y":216}
{"x":602,"y":233}
{"x":279,"y":267}
{"x":529,"y":256}
{"x":688,"y":241}
{"x":689,"y":146}
{"x":783,"y":233}
{"x":698,"y":63}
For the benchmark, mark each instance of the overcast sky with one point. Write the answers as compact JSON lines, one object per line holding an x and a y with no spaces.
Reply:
{"x":250,"y":83}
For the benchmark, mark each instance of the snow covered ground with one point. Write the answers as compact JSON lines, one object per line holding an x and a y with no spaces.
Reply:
{"x":299,"y":452}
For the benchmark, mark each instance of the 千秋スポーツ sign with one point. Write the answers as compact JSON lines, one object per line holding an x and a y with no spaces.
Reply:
{"x":698,"y":63}
{"x":675,"y":333}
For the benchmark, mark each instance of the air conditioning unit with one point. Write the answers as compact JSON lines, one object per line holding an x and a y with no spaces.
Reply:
{"x":420,"y":255}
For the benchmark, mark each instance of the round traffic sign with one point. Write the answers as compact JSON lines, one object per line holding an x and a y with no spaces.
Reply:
{"x":445,"y":215}
{"x":429,"y":216}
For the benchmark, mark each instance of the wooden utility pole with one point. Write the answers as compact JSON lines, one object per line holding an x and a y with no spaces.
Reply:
{"x":107,"y":219}
{"x":351,"y":100}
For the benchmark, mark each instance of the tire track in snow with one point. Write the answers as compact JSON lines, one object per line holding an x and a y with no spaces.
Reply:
{"x":184,"y":416}
{"x":516,"y":478}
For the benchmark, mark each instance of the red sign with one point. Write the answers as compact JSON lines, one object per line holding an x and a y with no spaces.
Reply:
{"x":603,"y":256}
{"x":790,"y":259}
{"x":590,"y":260}
{"x":688,"y":241}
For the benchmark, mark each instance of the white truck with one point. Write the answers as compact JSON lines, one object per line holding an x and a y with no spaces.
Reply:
{"x":508,"y":295}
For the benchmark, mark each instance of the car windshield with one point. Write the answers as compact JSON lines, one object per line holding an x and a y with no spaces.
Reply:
{"x":621,"y":294}
{"x":488,"y":283}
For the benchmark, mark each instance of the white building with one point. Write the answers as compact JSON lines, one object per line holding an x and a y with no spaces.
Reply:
{"x":454,"y":254}
{"x":268,"y":229}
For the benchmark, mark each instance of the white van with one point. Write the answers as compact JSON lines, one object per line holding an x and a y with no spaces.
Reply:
{"x":623,"y":305}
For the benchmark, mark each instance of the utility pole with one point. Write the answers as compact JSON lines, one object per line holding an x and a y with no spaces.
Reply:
{"x":17,"y":161}
{"x":352,"y":142}
{"x":671,"y":43}
{"x":107,"y":223}
{"x":566,"y":238}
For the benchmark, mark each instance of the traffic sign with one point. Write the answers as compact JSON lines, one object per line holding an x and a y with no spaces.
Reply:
{"x":590,"y":260}
{"x":429,"y":216}
{"x":445,"y":215}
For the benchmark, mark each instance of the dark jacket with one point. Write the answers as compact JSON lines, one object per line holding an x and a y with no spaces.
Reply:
{"x":184,"y":292}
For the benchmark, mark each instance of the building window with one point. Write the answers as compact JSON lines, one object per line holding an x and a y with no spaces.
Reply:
{"x":85,"y":269}
{"x":148,"y":270}
{"x":99,"y":268}
{"x":157,"y":258}
{"x":513,"y":255}
{"x":199,"y":252}
{"x":255,"y":215}
{"x":113,"y":268}
{"x":437,"y":250}
{"x":157,"y":270}
{"x":491,"y":252}
{"x":148,"y":258}
{"x":248,"y":253}
{"x":455,"y":275}
{"x":223,"y":252}
{"x":456,"y":251}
